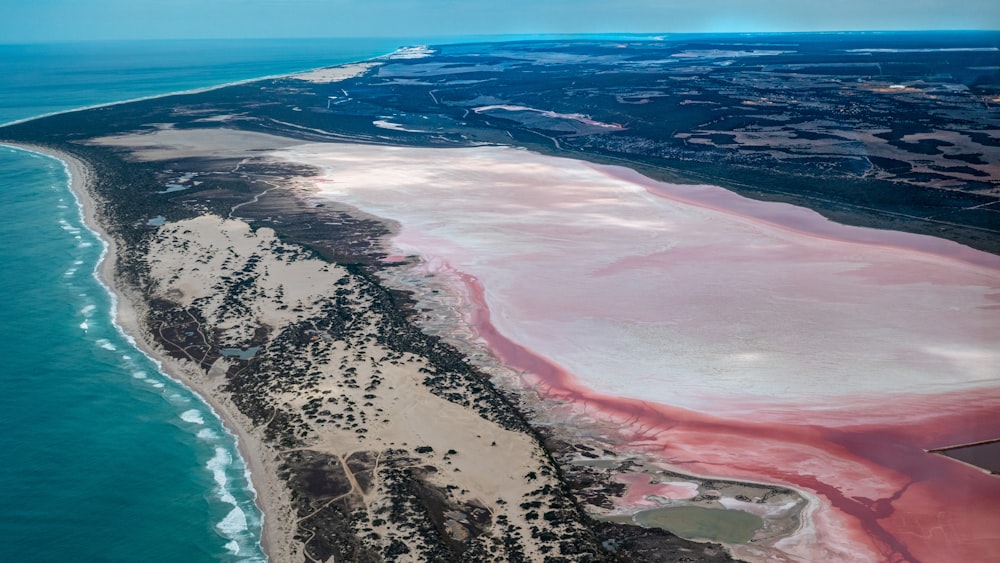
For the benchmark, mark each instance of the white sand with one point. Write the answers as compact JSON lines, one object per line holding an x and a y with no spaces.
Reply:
{"x":335,"y":74}
{"x":191,"y":258}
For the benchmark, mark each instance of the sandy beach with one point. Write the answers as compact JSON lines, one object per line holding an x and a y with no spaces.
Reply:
{"x":271,"y":494}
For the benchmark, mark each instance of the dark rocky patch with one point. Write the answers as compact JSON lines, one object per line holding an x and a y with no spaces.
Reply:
{"x":634,"y":543}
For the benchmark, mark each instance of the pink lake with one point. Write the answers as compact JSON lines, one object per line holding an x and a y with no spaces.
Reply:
{"x":728,"y":337}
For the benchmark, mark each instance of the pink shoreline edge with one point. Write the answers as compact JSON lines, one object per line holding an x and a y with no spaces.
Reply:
{"x":885,"y":451}
{"x":892,"y":456}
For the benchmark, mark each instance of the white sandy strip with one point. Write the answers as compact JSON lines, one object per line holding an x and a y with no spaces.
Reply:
{"x":570,"y":116}
{"x":414,"y":52}
{"x":335,"y":74}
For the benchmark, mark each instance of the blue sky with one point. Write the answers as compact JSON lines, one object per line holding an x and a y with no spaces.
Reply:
{"x":46,"y":20}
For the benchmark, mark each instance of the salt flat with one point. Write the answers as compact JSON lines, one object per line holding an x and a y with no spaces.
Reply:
{"x":647,"y":291}
{"x":736,"y":338}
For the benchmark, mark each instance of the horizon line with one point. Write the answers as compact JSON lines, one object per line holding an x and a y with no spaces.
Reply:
{"x":486,"y":36}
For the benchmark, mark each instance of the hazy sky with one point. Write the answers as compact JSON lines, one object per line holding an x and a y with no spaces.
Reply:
{"x":45,"y":20}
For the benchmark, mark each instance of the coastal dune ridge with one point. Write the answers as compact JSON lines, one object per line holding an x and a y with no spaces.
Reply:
{"x":125,"y":310}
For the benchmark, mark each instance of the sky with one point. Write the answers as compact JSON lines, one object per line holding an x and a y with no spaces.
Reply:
{"x":54,"y":20}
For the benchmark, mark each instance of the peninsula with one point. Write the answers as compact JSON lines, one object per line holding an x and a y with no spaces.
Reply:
{"x":694,"y":299}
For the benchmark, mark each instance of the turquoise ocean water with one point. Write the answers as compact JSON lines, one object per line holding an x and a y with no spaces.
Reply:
{"x":104,"y":457}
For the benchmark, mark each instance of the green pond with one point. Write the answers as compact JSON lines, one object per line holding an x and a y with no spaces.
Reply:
{"x":695,"y":522}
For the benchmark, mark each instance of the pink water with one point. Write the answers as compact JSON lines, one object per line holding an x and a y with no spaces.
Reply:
{"x":726,"y":336}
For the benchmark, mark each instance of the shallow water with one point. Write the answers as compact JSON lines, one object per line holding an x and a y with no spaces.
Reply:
{"x":696,"y":522}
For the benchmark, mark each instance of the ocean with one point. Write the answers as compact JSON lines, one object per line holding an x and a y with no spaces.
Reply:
{"x":107,"y":459}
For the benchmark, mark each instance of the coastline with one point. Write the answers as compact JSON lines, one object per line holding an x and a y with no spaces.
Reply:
{"x":475,"y":461}
{"x":266,"y":490}
{"x":197,"y":90}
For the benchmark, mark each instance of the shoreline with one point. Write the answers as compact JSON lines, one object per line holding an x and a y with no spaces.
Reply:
{"x":125,"y":319}
{"x":197,"y":90}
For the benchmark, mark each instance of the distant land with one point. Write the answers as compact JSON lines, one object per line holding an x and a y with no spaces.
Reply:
{"x":685,"y":298}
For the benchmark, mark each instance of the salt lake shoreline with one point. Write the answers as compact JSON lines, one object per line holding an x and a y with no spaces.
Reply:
{"x":264,"y":483}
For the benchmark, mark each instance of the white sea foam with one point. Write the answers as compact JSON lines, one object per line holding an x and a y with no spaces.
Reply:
{"x":70,"y":272}
{"x":77,"y":262}
{"x":233,"y":547}
{"x":414,"y":52}
{"x":84,"y":326}
{"x":218,"y":464}
{"x":208,"y":435}
{"x":139,"y":374}
{"x":234,"y":523}
{"x":88,"y":309}
{"x":104,"y":343}
{"x":193,"y":416}
{"x":157,"y":384}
